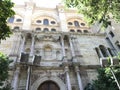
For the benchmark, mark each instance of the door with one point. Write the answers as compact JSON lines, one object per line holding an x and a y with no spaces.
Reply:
{"x":48,"y":85}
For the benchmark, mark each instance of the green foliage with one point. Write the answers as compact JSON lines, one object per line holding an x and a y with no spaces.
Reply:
{"x":97,"y":10}
{"x":4,"y":67}
{"x":5,"y":12}
{"x":105,"y":80}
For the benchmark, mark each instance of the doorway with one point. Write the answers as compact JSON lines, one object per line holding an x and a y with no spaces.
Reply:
{"x":48,"y":85}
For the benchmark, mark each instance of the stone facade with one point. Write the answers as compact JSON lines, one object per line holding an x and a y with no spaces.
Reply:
{"x":55,"y":45}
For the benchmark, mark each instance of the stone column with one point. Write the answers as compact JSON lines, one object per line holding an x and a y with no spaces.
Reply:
{"x":16,"y":78}
{"x":108,"y":52}
{"x":63,"y":47}
{"x":28,"y":78}
{"x":23,"y":44}
{"x":64,"y":58}
{"x":72,"y":50}
{"x":32,"y":46}
{"x":101,"y":55}
{"x":71,"y":47}
{"x":79,"y":78}
{"x":68,"y":78}
{"x":31,"y":57}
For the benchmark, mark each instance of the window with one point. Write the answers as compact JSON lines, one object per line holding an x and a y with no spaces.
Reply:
{"x":16,"y":28}
{"x":98,"y":53}
{"x":111,"y":52}
{"x":70,"y":23}
{"x":72,"y":30}
{"x":45,"y":22}
{"x":111,"y":33}
{"x":117,"y":44}
{"x":111,"y":46}
{"x":38,"y":21}
{"x":76,"y":23}
{"x":85,"y":31}
{"x":53,"y":30}
{"x":18,"y":20}
{"x":45,"y":30}
{"x":38,"y":29}
{"x":52,"y":22}
{"x":103,"y":50}
{"x":82,"y":24}
{"x":79,"y":31}
{"x":11,"y":19}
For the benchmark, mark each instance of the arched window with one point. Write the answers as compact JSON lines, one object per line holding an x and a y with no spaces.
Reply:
{"x":76,"y":23}
{"x":70,"y":23}
{"x":38,"y":29}
{"x":38,"y":21}
{"x":111,"y":52}
{"x":82,"y":24}
{"x":103,"y":50}
{"x":79,"y":31}
{"x":45,"y":22}
{"x":11,"y":20}
{"x":47,"y":51}
{"x":98,"y":53}
{"x":45,"y":30}
{"x":72,"y":30}
{"x":117,"y":44}
{"x":16,"y":28}
{"x":85,"y":31}
{"x":53,"y":22}
{"x":18,"y":20}
{"x":53,"y":30}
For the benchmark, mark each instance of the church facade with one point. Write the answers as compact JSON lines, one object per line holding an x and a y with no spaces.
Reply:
{"x":54,"y":49}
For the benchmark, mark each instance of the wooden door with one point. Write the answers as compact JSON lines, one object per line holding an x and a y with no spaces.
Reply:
{"x":48,"y":85}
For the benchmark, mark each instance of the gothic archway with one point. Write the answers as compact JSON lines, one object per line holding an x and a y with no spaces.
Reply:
{"x":48,"y":85}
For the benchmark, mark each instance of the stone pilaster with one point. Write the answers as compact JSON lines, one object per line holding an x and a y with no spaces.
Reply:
{"x":67,"y":78}
{"x":72,"y":50}
{"x":78,"y":78}
{"x":32,"y":46}
{"x":16,"y":78}
{"x":101,"y":55}
{"x":31,"y":58}
{"x":23,"y":44}
{"x":28,"y":78}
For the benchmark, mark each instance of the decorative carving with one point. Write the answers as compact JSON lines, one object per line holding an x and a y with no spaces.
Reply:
{"x":62,"y":76}
{"x":34,"y":77}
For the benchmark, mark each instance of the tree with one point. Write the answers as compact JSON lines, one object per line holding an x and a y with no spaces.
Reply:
{"x":4,"y":67}
{"x":97,"y":10}
{"x":5,"y":12}
{"x":105,"y":80}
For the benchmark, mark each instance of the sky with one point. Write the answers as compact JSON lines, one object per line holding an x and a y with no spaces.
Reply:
{"x":41,"y":3}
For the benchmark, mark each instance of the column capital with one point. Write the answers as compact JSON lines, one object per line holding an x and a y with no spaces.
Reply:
{"x":66,"y":68}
